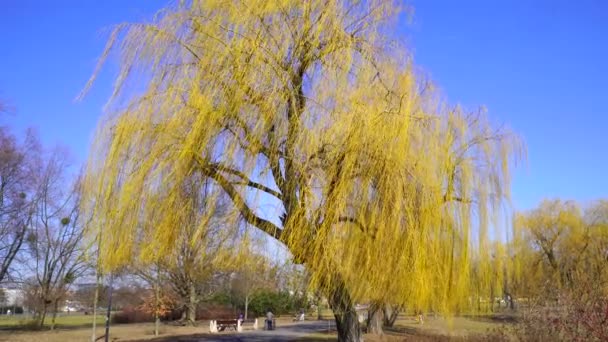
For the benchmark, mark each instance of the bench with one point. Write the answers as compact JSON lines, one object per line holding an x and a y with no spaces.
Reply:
{"x":224,"y":324}
{"x":231,"y":324}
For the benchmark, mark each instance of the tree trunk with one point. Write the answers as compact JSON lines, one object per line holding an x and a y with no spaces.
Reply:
{"x":43,"y":313}
{"x":191,"y":313}
{"x":319,"y":312}
{"x":492,"y":300}
{"x":390,"y":314}
{"x":246,"y":304}
{"x":347,"y":322}
{"x":375,"y":319}
{"x":45,"y":306}
{"x":95,"y":301}
{"x":509,"y":300}
{"x":318,"y":300}
{"x":156,"y":308}
{"x":54,"y":317}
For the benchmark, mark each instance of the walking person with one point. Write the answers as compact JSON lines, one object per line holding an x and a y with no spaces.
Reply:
{"x":269,"y":320}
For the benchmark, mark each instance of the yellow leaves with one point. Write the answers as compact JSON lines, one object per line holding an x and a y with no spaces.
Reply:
{"x":560,"y":240}
{"x":292,"y":104}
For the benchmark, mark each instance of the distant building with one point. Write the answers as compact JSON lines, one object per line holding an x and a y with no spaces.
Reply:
{"x":13,"y":296}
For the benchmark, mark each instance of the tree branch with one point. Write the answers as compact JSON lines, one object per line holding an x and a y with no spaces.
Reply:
{"x":244,"y":180}
{"x":451,"y":198}
{"x":358,"y":223}
{"x":237,"y":199}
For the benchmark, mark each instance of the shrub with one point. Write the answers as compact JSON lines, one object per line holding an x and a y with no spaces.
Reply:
{"x":29,"y":324}
{"x":214,"y":311}
{"x":130,"y":314}
{"x":279,"y":303}
{"x":580,"y":315}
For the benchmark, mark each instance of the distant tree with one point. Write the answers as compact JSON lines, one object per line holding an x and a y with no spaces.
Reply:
{"x":129,"y":295}
{"x":560,"y":267}
{"x":254,"y":274}
{"x":161,"y":299}
{"x":202,"y":248}
{"x":296,"y":280}
{"x":562,"y":245}
{"x":18,"y":193}
{"x":3,"y":298}
{"x":159,"y":303}
{"x":56,"y":248}
{"x":85,"y":295}
{"x":194,"y":265}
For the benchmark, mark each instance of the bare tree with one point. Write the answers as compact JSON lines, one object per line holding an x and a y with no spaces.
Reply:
{"x":17,"y":194}
{"x":253,"y":274}
{"x":55,"y":239}
{"x":193,"y":266}
{"x":153,"y":275}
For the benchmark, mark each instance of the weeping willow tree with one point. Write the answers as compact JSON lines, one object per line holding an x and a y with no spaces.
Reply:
{"x":311,"y":107}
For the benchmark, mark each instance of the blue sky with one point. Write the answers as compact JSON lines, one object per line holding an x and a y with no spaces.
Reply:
{"x":538,"y":66}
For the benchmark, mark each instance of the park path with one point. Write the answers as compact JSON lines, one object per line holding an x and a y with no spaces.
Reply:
{"x":285,"y":333}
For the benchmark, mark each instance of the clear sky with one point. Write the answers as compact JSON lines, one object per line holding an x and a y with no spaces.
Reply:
{"x":540,"y":67}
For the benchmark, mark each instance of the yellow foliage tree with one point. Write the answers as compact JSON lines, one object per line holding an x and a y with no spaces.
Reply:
{"x":561,"y":246}
{"x":310,"y":106}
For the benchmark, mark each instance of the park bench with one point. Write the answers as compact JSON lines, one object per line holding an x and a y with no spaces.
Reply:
{"x":224,"y":324}
{"x":231,"y":324}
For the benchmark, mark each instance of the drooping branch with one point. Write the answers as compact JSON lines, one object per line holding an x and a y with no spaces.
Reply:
{"x":238,"y":200}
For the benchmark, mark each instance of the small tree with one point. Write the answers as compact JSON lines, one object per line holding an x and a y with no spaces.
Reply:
{"x":159,"y":302}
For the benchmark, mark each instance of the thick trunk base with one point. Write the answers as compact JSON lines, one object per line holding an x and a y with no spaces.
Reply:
{"x":347,"y":320}
{"x":349,"y":329}
{"x":191,"y":316}
{"x":390,"y":314}
{"x":375,"y":320}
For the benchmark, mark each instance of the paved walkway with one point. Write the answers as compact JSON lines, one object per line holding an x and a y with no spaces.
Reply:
{"x":283,"y":333}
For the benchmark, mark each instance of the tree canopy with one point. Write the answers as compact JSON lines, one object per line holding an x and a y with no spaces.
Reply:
{"x":310,"y":106}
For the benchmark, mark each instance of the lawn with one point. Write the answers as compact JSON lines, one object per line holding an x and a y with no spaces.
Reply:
{"x":123,"y":332}
{"x":456,"y":326}
{"x":62,"y":321}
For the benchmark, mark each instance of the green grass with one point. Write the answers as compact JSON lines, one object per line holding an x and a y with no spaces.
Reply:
{"x":455,"y":326}
{"x":63,"y":320}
